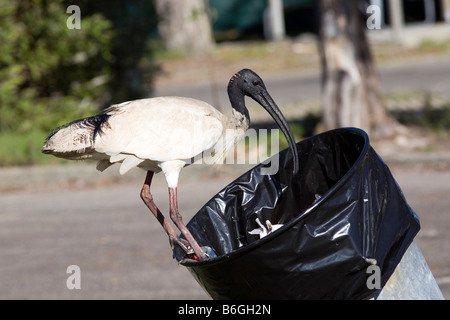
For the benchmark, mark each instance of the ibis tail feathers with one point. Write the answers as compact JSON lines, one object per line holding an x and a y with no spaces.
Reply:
{"x":75,"y":140}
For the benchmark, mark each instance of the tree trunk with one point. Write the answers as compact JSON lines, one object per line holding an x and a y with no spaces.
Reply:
{"x":185,"y":25}
{"x":351,"y":93}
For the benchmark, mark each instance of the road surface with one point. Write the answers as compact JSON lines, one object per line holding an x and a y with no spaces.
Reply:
{"x":430,"y":75}
{"x":122,"y":251}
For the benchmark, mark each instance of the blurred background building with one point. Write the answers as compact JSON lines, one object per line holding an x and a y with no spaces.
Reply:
{"x":235,"y":19}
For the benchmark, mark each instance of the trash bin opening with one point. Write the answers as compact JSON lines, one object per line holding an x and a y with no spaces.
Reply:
{"x":256,"y":208}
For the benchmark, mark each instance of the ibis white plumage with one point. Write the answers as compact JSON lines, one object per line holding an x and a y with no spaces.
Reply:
{"x":165,"y":134}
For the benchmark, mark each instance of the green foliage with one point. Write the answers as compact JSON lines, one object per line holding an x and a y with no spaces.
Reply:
{"x":134,"y":23}
{"x":23,"y":149}
{"x":46,"y":69}
{"x":434,"y":119}
{"x":50,"y":74}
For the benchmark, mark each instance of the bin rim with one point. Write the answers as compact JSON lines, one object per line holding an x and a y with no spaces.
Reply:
{"x":302,"y":215}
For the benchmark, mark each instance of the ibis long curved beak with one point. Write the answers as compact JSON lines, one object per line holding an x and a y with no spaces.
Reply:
{"x":271,"y":107}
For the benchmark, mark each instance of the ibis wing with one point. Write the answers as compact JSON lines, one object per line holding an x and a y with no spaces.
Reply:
{"x":162,"y":129}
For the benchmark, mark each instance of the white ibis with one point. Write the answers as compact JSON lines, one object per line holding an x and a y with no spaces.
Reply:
{"x":164,"y":134}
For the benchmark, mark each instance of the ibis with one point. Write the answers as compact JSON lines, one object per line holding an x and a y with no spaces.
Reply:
{"x":164,"y":134}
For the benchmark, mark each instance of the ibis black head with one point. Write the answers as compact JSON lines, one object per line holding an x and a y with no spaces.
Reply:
{"x":248,"y":83}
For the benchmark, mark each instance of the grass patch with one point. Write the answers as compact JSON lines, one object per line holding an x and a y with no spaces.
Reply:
{"x":301,"y":129}
{"x":435,"y":120}
{"x":23,"y":149}
{"x":431,"y":46}
{"x":161,"y":54}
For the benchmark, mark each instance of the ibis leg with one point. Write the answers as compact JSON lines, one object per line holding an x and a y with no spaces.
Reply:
{"x":147,"y":197}
{"x":177,"y":219}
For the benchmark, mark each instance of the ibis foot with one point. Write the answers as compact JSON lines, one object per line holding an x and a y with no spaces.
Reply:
{"x":182,"y":243}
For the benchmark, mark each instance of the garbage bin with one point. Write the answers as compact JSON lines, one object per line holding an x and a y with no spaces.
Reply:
{"x":411,"y":280}
{"x":342,"y":213}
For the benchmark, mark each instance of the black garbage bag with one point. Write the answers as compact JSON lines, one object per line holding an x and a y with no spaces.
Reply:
{"x":342,"y":213}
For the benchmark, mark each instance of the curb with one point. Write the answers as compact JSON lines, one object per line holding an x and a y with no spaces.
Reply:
{"x":432,"y":159}
{"x":82,"y":174}
{"x":85,"y":174}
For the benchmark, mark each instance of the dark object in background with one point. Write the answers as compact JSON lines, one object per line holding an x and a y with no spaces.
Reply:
{"x":340,"y":212}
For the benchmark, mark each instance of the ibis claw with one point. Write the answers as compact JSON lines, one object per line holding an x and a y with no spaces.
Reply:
{"x":182,"y":243}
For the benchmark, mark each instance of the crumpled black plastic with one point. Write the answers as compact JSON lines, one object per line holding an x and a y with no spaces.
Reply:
{"x":343,"y":208}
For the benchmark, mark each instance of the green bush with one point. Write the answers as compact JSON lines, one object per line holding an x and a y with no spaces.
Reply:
{"x":47,"y":69}
{"x":48,"y":73}
{"x":51,"y":74}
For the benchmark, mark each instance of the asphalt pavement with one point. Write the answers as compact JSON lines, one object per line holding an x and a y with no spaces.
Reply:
{"x":429,"y":75}
{"x":122,"y":251}
{"x":55,"y":217}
